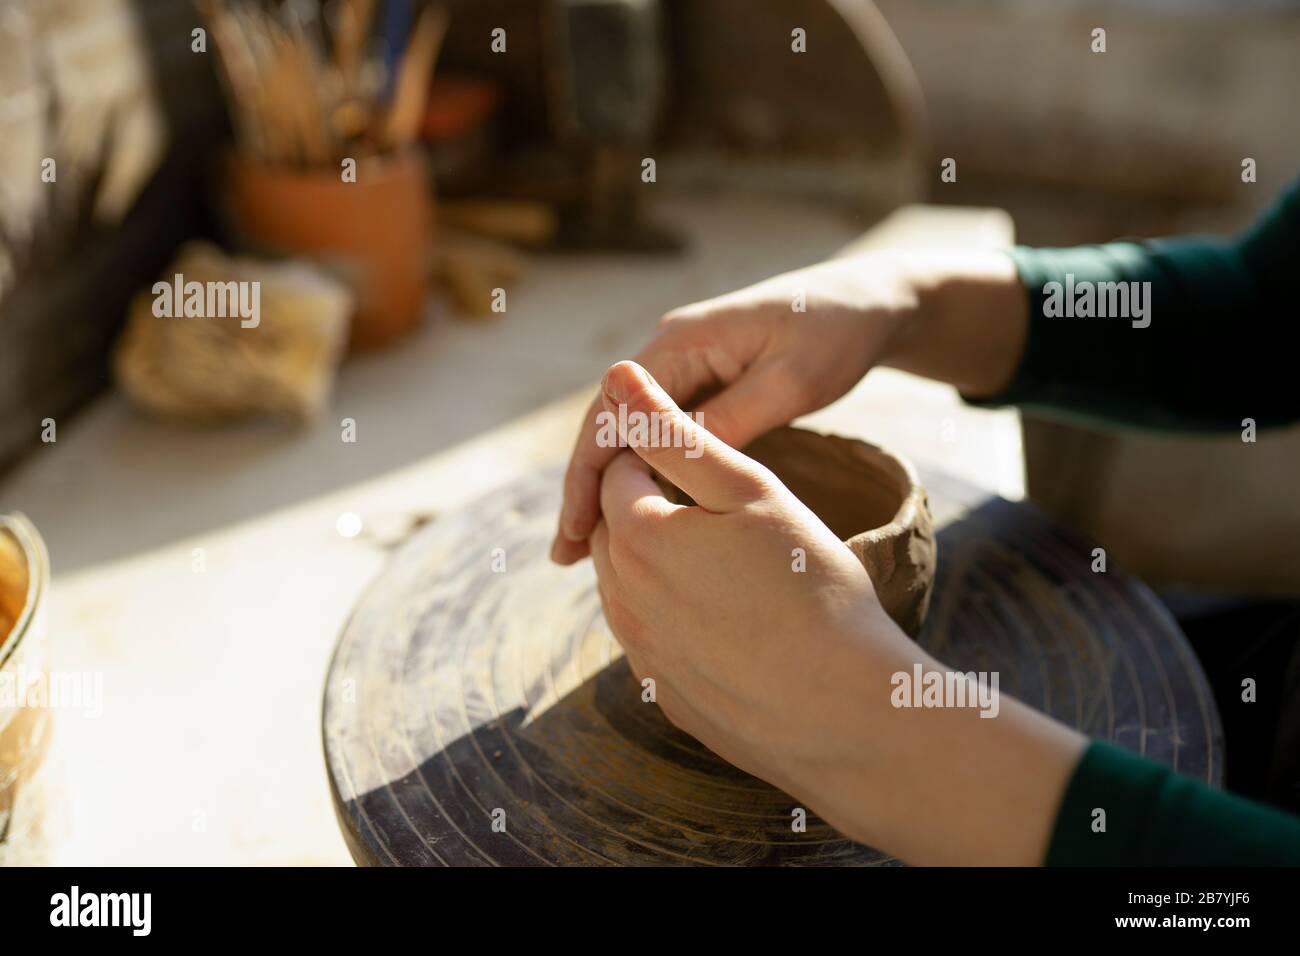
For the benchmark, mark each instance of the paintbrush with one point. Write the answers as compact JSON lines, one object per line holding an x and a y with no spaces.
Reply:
{"x":302,"y":97}
{"x":306,"y":25}
{"x":302,"y":19}
{"x":239,"y":71}
{"x":411,"y":87}
{"x":296,"y":101}
{"x":250,"y":25}
{"x":352,"y":26}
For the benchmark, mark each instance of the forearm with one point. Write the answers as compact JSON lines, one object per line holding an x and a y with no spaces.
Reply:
{"x":968,"y":323}
{"x":946,"y":786}
{"x":943,"y":785}
{"x":1155,"y":334}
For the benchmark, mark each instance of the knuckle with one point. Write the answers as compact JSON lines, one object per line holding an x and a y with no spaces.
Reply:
{"x":745,"y":488}
{"x":764,"y":481}
{"x":771,"y":508}
{"x":683,"y":314}
{"x":755,"y":483}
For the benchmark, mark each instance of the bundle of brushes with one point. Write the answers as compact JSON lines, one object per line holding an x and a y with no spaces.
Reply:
{"x":307,"y":84}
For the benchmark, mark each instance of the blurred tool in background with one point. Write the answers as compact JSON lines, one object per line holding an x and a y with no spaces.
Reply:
{"x":607,"y":92}
{"x":314,"y":89}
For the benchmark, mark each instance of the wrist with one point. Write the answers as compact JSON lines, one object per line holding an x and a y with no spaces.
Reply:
{"x":937,"y":784}
{"x":970,"y":321}
{"x":844,"y":776}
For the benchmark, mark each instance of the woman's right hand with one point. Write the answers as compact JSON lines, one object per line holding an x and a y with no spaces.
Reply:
{"x":753,"y":360}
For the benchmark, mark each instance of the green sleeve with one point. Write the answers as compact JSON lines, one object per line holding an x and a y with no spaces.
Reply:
{"x":1155,"y":817}
{"x":1215,"y":351}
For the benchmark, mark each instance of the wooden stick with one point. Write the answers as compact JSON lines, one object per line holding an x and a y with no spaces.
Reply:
{"x":411,"y":90}
{"x":350,"y":37}
{"x":518,"y":220}
{"x":303,"y":98}
{"x":240,"y":71}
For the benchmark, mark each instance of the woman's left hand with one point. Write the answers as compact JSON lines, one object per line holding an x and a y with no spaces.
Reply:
{"x":763,"y":662}
{"x":787,"y":673}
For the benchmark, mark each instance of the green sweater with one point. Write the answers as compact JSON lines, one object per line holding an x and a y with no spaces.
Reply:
{"x":1212,"y":354}
{"x":1211,"y":357}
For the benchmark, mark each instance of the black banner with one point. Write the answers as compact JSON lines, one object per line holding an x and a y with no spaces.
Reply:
{"x":374,"y":907}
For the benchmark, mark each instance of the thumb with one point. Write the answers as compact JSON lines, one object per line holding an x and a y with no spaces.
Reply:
{"x":646,"y":419}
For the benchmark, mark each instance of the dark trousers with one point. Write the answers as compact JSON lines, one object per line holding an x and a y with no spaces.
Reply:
{"x":1258,"y":640}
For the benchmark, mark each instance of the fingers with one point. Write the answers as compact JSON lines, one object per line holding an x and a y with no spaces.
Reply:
{"x":565,"y":551}
{"x":674,"y":706}
{"x":715,"y":475}
{"x":681,"y":374}
{"x":691,"y":355}
{"x":581,"y":503}
{"x":599,"y":544}
{"x":757,"y":402}
{"x":628,"y":494}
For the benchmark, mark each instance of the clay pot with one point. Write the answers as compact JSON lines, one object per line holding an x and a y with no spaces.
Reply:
{"x":873,"y":501}
{"x":376,"y":232}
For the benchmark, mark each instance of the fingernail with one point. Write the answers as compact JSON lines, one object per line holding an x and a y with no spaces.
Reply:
{"x":616,"y":381}
{"x":611,"y":389}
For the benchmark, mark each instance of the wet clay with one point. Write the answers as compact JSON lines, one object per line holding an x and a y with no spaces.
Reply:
{"x":871,"y":499}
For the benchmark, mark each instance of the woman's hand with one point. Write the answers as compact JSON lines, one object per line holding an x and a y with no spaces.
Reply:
{"x":750,"y":361}
{"x":788,"y":674}
{"x":760,"y":357}
{"x":707,"y":601}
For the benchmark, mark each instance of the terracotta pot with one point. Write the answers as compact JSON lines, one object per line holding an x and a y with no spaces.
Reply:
{"x":26,"y":831}
{"x":873,"y":501}
{"x":376,"y":232}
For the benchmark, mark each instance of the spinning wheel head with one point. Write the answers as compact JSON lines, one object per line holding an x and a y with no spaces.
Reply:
{"x":478,"y":711}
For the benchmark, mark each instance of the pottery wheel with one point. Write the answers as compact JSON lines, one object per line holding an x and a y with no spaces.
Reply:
{"x":461,"y":695}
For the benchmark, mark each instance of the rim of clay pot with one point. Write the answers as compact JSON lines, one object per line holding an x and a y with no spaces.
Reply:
{"x":905,"y":517}
{"x":24,"y":533}
{"x":865,"y":462}
{"x":380,"y":165}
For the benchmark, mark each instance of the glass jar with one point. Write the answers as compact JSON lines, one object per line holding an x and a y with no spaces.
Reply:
{"x":25,"y":718}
